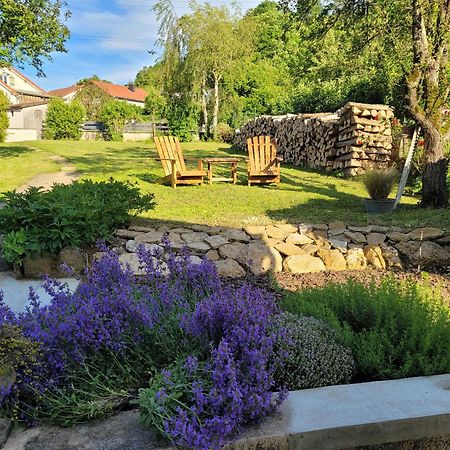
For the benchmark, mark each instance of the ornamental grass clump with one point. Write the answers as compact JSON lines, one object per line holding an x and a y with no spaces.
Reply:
{"x":205,"y":350}
{"x":314,"y":357}
{"x":379,"y":183}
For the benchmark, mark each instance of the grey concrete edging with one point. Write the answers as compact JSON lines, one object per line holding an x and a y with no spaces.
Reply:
{"x":334,"y":417}
{"x":346,"y":416}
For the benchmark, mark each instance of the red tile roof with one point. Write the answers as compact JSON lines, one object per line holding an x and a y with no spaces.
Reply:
{"x":122,"y":92}
{"x":114,"y":90}
{"x":64,"y":91}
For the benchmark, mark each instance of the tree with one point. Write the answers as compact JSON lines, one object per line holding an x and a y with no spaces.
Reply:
{"x":31,"y":30}
{"x":415,"y":33}
{"x":200,"y":48}
{"x":4,"y":123}
{"x":63,"y":120}
{"x":93,"y":99}
{"x":115,"y":114}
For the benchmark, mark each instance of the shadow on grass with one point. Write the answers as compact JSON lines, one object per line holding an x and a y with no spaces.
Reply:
{"x":8,"y":152}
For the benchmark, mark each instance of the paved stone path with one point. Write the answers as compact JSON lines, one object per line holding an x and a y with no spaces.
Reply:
{"x":16,"y":291}
{"x":66,"y":175}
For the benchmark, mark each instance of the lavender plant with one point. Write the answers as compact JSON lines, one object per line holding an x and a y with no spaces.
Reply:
{"x":199,"y":404}
{"x":95,"y":347}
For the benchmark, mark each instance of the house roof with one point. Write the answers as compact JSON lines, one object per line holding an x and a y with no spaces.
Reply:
{"x":114,"y":90}
{"x":64,"y":91}
{"x":123,"y":92}
{"x":28,"y":105}
{"x":20,"y":74}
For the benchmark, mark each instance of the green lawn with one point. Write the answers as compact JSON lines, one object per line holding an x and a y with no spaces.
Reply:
{"x":19,"y":163}
{"x":303,"y":195}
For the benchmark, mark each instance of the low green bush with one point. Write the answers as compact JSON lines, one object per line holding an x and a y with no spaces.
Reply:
{"x":312,"y":355}
{"x":4,"y":122}
{"x":75,"y":215}
{"x":64,"y":120}
{"x":394,"y":330}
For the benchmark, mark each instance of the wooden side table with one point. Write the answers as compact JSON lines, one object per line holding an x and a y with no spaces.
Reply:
{"x":233,"y":162}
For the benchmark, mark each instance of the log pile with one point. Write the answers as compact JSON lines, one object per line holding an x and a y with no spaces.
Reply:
{"x":356,"y":138}
{"x":302,"y":139}
{"x":364,"y":139}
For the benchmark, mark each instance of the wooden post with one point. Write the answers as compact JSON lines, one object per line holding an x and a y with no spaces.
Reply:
{"x":407,"y":167}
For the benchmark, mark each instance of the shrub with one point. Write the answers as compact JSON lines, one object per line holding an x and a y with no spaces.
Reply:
{"x":115,"y":114}
{"x":93,"y":98}
{"x":72,"y":215}
{"x":100,"y":343}
{"x":379,"y":183}
{"x":313,"y":357}
{"x":64,"y":120}
{"x":4,"y":123}
{"x":394,"y":330}
{"x":225,"y":133}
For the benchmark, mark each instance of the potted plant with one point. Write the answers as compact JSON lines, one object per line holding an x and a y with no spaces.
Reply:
{"x":379,"y":185}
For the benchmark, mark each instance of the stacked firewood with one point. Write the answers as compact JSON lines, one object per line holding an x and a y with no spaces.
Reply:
{"x":364,"y":139}
{"x":303,"y":139}
{"x":356,"y":138}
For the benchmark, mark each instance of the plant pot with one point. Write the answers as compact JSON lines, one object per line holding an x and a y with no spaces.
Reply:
{"x":379,"y":206}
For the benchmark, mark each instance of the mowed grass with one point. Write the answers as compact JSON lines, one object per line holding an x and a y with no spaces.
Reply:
{"x":19,"y":163}
{"x":303,"y":195}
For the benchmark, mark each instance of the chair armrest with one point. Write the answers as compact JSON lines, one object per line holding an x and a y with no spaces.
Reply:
{"x":189,"y":158}
{"x":279,"y":158}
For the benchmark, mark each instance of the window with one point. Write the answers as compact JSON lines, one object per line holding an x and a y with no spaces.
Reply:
{"x":4,"y":77}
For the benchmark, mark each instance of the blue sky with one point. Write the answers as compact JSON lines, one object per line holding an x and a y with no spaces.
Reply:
{"x":109,"y":38}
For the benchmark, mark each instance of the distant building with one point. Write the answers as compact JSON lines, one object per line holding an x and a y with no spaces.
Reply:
{"x":28,"y":105}
{"x":130,"y":94}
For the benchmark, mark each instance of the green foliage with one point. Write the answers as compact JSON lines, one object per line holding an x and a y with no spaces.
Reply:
{"x":225,"y":133}
{"x":75,"y":215}
{"x":313,"y":356}
{"x":31,"y":30}
{"x":4,"y":123}
{"x":155,"y":103}
{"x":394,"y":330}
{"x":14,"y":246}
{"x":115,"y":114}
{"x":93,"y":99}
{"x":64,"y":119}
{"x":379,"y":183}
{"x":181,"y":115}
{"x":18,"y":356}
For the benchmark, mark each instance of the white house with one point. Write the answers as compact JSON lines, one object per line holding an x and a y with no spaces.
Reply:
{"x":28,"y":105}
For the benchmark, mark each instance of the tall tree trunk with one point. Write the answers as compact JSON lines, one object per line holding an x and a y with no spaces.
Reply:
{"x":215,"y":117}
{"x":428,"y":91}
{"x":204,"y":103}
{"x":434,"y":177}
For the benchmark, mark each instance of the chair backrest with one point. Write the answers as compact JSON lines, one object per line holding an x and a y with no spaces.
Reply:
{"x":169,"y":148}
{"x":262,"y":150}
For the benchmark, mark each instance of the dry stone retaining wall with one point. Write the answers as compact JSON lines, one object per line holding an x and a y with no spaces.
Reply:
{"x":302,"y":248}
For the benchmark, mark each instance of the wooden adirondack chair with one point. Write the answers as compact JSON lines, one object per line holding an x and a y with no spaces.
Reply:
{"x":263,"y":164}
{"x":173,"y":162}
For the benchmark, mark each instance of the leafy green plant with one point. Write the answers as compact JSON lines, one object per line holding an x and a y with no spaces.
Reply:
{"x":394,"y":330}
{"x":379,"y":183}
{"x":63,"y":120}
{"x":4,"y":123}
{"x":74,"y":215}
{"x":14,"y":246}
{"x":115,"y":114}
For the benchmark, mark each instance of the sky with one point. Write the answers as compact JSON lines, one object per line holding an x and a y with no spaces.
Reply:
{"x":111,"y":39}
